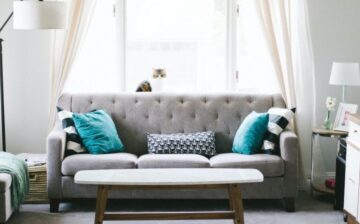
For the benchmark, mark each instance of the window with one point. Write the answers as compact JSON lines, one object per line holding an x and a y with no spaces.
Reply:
{"x":96,"y":67}
{"x":187,"y":38}
{"x":255,"y":71}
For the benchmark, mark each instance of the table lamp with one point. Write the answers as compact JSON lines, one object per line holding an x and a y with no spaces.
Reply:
{"x":345,"y":74}
{"x":31,"y":15}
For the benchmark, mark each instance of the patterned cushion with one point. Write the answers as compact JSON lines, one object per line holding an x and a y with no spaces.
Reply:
{"x":73,"y":140}
{"x":202,"y":143}
{"x":279,"y":119}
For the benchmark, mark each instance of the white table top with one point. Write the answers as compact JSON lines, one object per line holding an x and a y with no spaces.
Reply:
{"x":156,"y":177}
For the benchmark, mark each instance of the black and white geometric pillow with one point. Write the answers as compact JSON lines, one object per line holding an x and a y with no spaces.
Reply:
{"x":202,"y":143}
{"x":279,"y":118}
{"x":73,"y":140}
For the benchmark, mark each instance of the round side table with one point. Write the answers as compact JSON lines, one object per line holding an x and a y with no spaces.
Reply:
{"x":321,"y":132}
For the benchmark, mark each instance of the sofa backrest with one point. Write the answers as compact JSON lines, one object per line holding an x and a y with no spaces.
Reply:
{"x":136,"y":114}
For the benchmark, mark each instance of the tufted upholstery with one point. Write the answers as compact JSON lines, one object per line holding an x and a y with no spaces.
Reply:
{"x":141,"y":113}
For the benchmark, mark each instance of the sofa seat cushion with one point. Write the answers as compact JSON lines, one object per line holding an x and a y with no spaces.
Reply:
{"x":268,"y":165}
{"x":5,"y":182}
{"x":75,"y":163}
{"x":173,"y":161}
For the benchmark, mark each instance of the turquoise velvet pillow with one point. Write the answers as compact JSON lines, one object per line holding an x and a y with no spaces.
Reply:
{"x":98,"y":132}
{"x":249,"y":137}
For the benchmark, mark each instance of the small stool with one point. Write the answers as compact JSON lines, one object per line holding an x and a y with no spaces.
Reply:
{"x":5,"y":197}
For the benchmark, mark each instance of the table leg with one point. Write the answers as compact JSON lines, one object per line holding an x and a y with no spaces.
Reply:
{"x":236,"y":203}
{"x":101,"y":201}
{"x":311,"y":165}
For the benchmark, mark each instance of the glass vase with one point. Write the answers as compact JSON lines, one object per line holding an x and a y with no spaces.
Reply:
{"x":327,"y":123}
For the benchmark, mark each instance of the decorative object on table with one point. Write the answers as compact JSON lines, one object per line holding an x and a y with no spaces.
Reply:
{"x":345,"y":74}
{"x":279,"y":119}
{"x":202,"y":143}
{"x":159,"y":74}
{"x":73,"y":140}
{"x":17,"y":168}
{"x":144,"y":86}
{"x":330,"y":183}
{"x":30,"y":15}
{"x":330,"y":106}
{"x":342,"y":116}
{"x":33,"y":159}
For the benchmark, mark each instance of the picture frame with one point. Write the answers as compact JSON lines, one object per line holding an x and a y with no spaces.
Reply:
{"x":342,"y":116}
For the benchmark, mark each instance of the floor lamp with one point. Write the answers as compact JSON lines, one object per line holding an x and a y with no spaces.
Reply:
{"x":30,"y":15}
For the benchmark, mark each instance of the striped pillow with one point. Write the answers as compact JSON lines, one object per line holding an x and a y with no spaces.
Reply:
{"x":73,"y":140}
{"x":279,"y":118}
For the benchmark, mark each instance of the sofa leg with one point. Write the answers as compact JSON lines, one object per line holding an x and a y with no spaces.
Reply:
{"x":54,"y":205}
{"x":289,"y":204}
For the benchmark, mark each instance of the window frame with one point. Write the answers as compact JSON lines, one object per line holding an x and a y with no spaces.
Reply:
{"x":231,"y":41}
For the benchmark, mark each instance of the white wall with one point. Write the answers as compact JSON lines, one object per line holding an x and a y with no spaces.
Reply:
{"x":26,"y":84}
{"x":335,"y":31}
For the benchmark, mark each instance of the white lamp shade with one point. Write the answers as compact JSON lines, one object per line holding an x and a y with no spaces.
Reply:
{"x":30,"y":15}
{"x":345,"y":73}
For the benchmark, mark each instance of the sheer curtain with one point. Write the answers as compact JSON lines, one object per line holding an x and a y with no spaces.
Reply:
{"x":286,"y":28}
{"x":66,"y":46}
{"x":274,"y":17}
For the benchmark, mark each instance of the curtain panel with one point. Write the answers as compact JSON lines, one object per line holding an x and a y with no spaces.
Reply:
{"x":285,"y":25}
{"x":66,"y":47}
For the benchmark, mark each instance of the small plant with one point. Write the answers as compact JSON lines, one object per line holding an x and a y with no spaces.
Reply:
{"x":330,"y":106}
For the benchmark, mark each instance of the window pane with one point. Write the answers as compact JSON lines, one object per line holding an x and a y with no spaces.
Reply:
{"x":256,"y":71}
{"x":95,"y":69}
{"x":186,"y":37}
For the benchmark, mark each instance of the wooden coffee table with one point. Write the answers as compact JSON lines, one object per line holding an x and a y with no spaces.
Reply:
{"x":199,"y":178}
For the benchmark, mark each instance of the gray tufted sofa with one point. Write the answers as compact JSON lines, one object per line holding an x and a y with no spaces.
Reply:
{"x":136,"y":114}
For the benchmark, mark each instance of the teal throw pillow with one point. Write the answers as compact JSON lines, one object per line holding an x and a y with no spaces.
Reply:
{"x":98,"y":132}
{"x":249,"y":137}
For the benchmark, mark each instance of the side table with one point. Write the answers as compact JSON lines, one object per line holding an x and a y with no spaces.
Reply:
{"x":321,"y":132}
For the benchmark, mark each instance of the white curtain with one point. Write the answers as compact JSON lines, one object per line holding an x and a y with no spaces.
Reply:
{"x":275,"y":19}
{"x":66,"y":47}
{"x":286,"y":28}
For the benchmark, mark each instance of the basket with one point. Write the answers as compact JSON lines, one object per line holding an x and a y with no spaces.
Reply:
{"x":38,"y":185}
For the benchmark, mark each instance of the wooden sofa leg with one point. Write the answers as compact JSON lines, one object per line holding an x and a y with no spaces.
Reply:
{"x":289,"y":204}
{"x":54,"y":205}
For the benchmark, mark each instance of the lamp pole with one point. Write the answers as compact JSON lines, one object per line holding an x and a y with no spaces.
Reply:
{"x":2,"y":100}
{"x":3,"y":134}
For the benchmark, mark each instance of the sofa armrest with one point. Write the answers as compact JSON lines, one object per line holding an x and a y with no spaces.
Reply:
{"x":56,"y":141}
{"x":289,"y":151}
